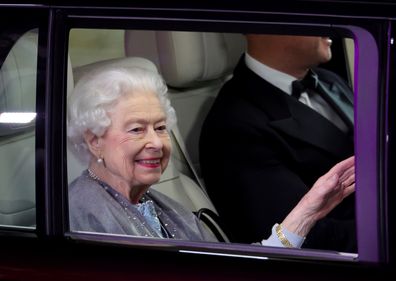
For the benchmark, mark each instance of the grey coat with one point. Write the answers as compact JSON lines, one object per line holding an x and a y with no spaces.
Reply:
{"x":96,"y":207}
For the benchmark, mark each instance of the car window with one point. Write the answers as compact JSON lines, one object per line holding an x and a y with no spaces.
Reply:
{"x":193,"y":86}
{"x":17,"y":129}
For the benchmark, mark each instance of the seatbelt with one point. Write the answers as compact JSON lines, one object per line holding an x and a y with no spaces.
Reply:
{"x":181,"y":146}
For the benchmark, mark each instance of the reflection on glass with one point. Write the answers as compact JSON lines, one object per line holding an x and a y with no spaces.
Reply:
{"x":17,"y":117}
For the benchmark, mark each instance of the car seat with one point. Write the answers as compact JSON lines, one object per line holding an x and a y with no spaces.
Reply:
{"x":174,"y":182}
{"x":194,"y":65}
{"x":17,"y":140}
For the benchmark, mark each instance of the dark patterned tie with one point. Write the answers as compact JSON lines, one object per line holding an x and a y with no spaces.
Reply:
{"x":309,"y":82}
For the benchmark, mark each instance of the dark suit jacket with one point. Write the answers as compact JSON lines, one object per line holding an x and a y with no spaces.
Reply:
{"x":261,"y":150}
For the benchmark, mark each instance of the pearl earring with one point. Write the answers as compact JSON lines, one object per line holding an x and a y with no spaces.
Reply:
{"x":99,"y":160}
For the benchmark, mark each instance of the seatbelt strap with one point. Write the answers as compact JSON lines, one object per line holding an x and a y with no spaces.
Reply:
{"x":180,"y":144}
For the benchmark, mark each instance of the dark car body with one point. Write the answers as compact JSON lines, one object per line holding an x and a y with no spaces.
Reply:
{"x":49,"y":251}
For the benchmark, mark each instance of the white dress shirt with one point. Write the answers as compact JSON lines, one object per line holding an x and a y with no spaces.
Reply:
{"x":284,"y":82}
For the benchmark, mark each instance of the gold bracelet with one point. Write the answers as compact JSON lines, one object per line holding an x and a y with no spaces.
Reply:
{"x":282,"y":238}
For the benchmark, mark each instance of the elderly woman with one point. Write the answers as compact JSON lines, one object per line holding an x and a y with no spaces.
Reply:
{"x":119,"y":122}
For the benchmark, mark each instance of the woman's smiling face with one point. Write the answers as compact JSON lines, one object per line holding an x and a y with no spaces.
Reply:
{"x":136,"y":147}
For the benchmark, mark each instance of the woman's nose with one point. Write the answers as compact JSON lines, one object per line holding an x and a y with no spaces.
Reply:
{"x":153,"y":140}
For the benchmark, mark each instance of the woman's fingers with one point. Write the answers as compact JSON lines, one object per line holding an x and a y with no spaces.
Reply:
{"x":343,"y":166}
{"x":347,"y":173}
{"x":349,"y":180}
{"x":349,"y":190}
{"x":343,"y":170}
{"x":330,"y":189}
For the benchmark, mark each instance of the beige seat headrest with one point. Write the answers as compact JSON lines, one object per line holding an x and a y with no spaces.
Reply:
{"x":18,"y":81}
{"x":186,"y":59}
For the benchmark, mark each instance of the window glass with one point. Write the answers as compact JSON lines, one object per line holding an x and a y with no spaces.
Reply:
{"x":194,"y":77}
{"x":17,"y":129}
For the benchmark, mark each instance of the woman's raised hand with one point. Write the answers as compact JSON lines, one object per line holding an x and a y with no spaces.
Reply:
{"x":327,"y":192}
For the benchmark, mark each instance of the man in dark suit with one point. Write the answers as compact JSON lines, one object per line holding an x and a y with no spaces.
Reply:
{"x":263,"y":145}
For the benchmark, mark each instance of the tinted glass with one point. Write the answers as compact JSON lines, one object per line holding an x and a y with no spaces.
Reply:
{"x":17,"y":129}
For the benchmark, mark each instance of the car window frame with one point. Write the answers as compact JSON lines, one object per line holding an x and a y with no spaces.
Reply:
{"x":34,"y":18}
{"x":80,"y":18}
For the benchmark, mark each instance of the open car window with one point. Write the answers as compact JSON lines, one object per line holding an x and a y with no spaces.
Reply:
{"x":193,"y":85}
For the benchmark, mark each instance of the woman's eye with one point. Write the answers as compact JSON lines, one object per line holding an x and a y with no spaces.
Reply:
{"x":136,"y":130}
{"x":161,"y":128}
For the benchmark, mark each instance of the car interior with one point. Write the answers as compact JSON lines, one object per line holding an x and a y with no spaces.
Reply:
{"x":194,"y":65}
{"x":17,"y":140}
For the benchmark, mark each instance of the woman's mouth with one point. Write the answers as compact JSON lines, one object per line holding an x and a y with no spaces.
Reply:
{"x":149,"y":163}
